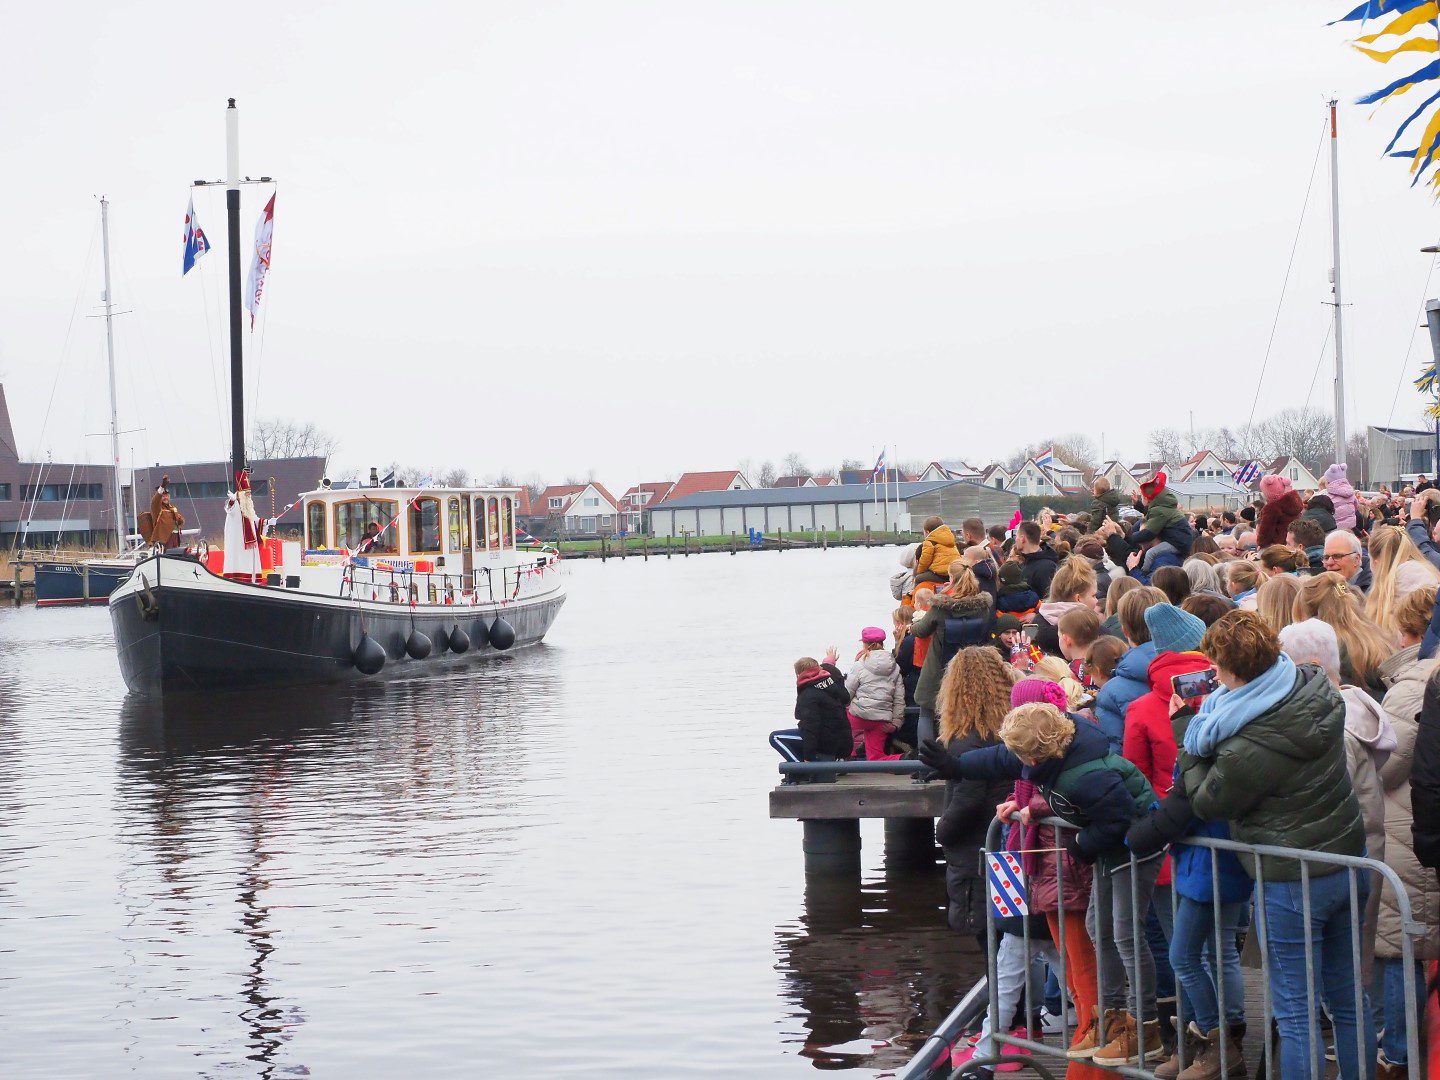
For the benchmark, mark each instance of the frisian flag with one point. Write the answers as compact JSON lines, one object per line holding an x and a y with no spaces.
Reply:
{"x":878,"y":473}
{"x":260,"y":261}
{"x":1246,"y":474}
{"x":195,"y":242}
{"x":1007,"y":885}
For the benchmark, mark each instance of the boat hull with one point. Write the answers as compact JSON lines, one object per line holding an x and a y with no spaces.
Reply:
{"x":179,"y":628}
{"x":60,"y":583}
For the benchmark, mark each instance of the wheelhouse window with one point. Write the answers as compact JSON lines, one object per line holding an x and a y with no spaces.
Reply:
{"x":507,"y":522}
{"x":315,"y":526}
{"x":355,"y":517}
{"x":459,"y":523}
{"x":425,"y":527}
{"x":492,"y":523}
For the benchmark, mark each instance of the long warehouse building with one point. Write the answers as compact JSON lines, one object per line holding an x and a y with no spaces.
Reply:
{"x":851,"y":507}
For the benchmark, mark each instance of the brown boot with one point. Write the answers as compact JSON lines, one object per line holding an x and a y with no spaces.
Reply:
{"x":1124,"y":1045}
{"x":1386,"y":1070}
{"x":1193,"y":1040}
{"x":1207,"y":1065}
{"x":1092,"y":1037}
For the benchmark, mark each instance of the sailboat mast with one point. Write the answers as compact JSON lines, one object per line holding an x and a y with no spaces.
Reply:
{"x":237,"y":367}
{"x":110,"y":355}
{"x":1335,"y":279}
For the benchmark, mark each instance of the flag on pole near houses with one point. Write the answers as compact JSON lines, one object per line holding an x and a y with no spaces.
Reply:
{"x":260,"y":261}
{"x":1047,"y":459}
{"x":195,"y":242}
{"x":1247,"y":474}
{"x":1007,"y":885}
{"x":879,"y":471}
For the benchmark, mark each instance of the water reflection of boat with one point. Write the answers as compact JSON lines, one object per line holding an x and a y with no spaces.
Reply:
{"x":870,"y":969}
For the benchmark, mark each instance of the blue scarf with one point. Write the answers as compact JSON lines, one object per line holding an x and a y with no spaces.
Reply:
{"x":1225,"y":712}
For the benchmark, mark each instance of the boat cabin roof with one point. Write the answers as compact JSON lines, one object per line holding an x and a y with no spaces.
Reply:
{"x":403,"y":493}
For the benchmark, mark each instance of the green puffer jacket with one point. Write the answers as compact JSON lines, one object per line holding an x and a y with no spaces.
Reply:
{"x":1103,"y":506}
{"x":1282,"y":781}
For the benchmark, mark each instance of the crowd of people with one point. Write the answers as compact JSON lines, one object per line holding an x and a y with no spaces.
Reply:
{"x":1148,"y":675}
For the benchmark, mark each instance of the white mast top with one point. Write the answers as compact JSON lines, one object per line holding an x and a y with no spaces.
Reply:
{"x":232,"y":147}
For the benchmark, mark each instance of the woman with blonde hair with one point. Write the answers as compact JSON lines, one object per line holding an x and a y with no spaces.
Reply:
{"x":973,"y":700}
{"x":1241,"y":581}
{"x":1118,"y":588}
{"x":1279,"y":559}
{"x":1075,"y":585}
{"x":1363,"y":645}
{"x":1399,"y":569}
{"x":1275,"y":601}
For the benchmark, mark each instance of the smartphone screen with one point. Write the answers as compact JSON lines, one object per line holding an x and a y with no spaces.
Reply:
{"x":1032,"y":630}
{"x":1195,"y":685}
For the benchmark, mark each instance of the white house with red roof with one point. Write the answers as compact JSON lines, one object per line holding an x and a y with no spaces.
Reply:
{"x":637,"y":499}
{"x":1205,"y":465}
{"x":574,"y":510}
{"x":692,"y":483}
{"x":1120,"y":477}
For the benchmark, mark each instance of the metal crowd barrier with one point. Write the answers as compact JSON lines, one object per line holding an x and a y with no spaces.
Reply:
{"x":927,"y":1063}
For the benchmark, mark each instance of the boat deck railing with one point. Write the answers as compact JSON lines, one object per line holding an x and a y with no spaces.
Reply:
{"x":934,"y":1057}
{"x":483,"y":585}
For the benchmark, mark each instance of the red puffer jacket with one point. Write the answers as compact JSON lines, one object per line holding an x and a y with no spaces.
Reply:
{"x":1149,"y":736}
{"x":1040,"y":867}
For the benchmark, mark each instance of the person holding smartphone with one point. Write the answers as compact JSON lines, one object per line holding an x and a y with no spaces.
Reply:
{"x":1269,"y":739}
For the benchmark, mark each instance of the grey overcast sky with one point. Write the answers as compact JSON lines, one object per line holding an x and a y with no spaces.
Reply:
{"x":639,"y":238}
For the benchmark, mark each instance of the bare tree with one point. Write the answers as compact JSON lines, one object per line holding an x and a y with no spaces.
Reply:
{"x":1357,"y":457}
{"x":794,"y":464}
{"x":1169,"y":445}
{"x":456,"y":478}
{"x":1076,"y":449}
{"x":1308,"y":435}
{"x":275,"y":438}
{"x":766,"y":476}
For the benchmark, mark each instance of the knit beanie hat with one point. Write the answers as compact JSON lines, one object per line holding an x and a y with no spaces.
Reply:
{"x":1005,"y":622}
{"x":1090,"y":548}
{"x":1029,"y":691}
{"x":1274,"y":486}
{"x":1153,"y":487}
{"x":1335,"y":472}
{"x":1011,"y":574}
{"x":1173,"y":629}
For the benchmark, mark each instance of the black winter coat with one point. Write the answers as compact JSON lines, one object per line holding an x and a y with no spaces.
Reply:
{"x":820,"y":709}
{"x":1425,"y":781}
{"x":960,"y":832}
{"x":951,"y":624}
{"x":1039,"y":567}
{"x":987,"y":576}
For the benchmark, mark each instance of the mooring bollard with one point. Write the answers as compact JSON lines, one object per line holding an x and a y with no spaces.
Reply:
{"x":645,"y":547}
{"x":831,"y":845}
{"x":668,"y":541}
{"x":867,"y":535}
{"x":734,"y":542}
{"x":687,"y":545}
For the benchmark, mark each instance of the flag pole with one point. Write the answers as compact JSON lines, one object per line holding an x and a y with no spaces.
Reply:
{"x":232,"y":215}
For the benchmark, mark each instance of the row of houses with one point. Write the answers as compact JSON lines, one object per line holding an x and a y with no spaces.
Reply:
{"x":1056,"y":477}
{"x":590,"y":509}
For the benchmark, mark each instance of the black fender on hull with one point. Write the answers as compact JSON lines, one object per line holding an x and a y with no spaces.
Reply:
{"x":502,"y":634}
{"x":369,"y":656}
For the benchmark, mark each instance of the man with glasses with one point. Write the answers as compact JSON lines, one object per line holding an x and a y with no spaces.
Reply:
{"x":1344,"y":555}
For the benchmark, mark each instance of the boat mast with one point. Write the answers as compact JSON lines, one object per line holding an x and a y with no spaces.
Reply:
{"x":110,"y":355}
{"x":237,"y":368}
{"x":1335,"y":280}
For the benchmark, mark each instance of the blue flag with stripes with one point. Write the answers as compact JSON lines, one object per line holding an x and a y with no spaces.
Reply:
{"x":1007,"y":885}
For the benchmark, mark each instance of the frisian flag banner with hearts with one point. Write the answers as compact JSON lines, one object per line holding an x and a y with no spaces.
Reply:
{"x":1007,"y":885}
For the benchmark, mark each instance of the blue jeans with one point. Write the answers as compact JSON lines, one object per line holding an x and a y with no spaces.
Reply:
{"x":1331,"y":926}
{"x":1392,"y":982}
{"x":1157,"y":936}
{"x":1192,"y":953}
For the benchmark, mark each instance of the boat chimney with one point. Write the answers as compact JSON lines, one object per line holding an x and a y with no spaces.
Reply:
{"x":374,"y":476}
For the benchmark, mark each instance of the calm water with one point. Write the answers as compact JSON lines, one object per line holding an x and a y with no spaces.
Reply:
{"x":557,"y":862}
